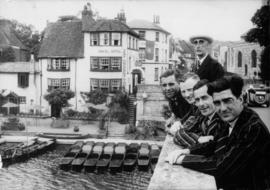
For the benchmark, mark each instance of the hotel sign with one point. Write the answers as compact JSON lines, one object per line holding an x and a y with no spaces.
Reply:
{"x":111,"y":51}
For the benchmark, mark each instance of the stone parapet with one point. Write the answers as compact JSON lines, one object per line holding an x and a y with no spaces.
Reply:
{"x":167,"y":176}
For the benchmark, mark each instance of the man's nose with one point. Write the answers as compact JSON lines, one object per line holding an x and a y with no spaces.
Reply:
{"x":223,"y":107}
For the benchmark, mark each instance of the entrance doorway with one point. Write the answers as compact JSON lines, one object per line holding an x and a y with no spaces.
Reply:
{"x":136,"y":79}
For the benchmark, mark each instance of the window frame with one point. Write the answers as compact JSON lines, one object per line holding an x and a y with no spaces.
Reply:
{"x":58,"y":64}
{"x":58,"y":83}
{"x":111,"y":65}
{"x":23,"y":80}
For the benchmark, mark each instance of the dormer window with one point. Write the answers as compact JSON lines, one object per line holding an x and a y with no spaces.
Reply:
{"x":116,"y":39}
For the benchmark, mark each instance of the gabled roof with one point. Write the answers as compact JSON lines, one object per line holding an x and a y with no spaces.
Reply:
{"x":7,"y":35}
{"x":186,"y":48}
{"x":62,"y":39}
{"x":108,"y":25}
{"x":146,"y":25}
{"x":17,"y":67}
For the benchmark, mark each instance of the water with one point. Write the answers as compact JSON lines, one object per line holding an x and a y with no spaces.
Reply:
{"x":43,"y":173}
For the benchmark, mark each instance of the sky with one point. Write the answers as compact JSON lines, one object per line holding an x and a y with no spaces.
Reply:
{"x":224,"y":20}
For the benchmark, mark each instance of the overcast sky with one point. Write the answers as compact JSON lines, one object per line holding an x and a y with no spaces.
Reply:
{"x":223,"y":20}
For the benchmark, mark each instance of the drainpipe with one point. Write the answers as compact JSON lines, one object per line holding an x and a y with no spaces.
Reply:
{"x":75,"y":84}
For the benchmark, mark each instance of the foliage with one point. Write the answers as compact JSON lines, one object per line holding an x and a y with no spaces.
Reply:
{"x":91,"y":115}
{"x":265,"y":66}
{"x":148,"y":129}
{"x":59,"y":97}
{"x":30,"y":38}
{"x":8,"y":55}
{"x":96,"y":96}
{"x":261,"y":33}
{"x":13,"y":124}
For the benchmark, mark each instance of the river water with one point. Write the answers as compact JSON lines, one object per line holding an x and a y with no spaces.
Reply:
{"x":43,"y":173}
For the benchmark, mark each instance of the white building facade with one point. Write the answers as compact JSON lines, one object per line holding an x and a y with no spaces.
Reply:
{"x":153,"y":49}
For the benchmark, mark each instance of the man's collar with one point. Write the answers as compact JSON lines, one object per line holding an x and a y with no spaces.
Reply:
{"x":203,"y":58}
{"x":232,"y":123}
{"x":210,"y":117}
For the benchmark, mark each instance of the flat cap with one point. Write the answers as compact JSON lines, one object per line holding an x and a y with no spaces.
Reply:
{"x":207,"y":38}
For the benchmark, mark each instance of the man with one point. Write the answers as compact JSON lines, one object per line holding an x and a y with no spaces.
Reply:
{"x":243,"y":162}
{"x":207,"y":126}
{"x":170,"y":86}
{"x":207,"y":67}
{"x":186,"y":87}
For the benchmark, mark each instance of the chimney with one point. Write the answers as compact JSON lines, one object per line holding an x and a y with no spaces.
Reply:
{"x":156,"y":19}
{"x":121,"y":16}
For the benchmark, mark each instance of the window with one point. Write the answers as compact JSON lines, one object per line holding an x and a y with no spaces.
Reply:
{"x":59,"y":64}
{"x":239,"y":57}
{"x":156,"y":54}
{"x":94,"y":63}
{"x":116,"y":63}
{"x":116,"y":39}
{"x":94,"y":84}
{"x":166,"y":56}
{"x":157,"y":36}
{"x":253,"y":58}
{"x":115,"y":84}
{"x":104,"y":39}
{"x":156,"y":74}
{"x":22,"y":100}
{"x":106,"y":63}
{"x":108,"y":85}
{"x":94,"y":38}
{"x":23,"y":80}
{"x":129,"y":42}
{"x":142,"y":34}
{"x":142,"y":54}
{"x":133,"y":44}
{"x":58,"y":83}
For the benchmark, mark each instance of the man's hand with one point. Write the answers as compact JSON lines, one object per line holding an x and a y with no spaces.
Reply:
{"x":175,"y":127}
{"x":174,"y":157}
{"x":204,"y":139}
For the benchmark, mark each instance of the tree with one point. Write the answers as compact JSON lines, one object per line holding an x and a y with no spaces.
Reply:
{"x":8,"y":55}
{"x":59,"y":97}
{"x":261,"y":35}
{"x":30,"y":38}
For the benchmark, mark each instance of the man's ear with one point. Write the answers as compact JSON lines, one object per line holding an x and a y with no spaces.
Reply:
{"x":241,"y":98}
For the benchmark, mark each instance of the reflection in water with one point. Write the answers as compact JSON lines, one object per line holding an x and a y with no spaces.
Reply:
{"x":43,"y":173}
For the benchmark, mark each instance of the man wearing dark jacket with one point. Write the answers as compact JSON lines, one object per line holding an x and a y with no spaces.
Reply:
{"x":243,"y":160}
{"x":206,"y":67}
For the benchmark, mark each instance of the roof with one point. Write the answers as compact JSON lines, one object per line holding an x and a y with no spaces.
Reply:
{"x":62,"y":39}
{"x":108,"y":25}
{"x":143,"y":24}
{"x":233,"y":43}
{"x":186,"y":48}
{"x":7,"y":35}
{"x":17,"y":67}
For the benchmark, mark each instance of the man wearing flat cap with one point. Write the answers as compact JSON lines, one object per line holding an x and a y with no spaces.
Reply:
{"x":207,"y":67}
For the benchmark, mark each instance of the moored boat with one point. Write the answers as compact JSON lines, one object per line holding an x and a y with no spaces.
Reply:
{"x":77,"y":163}
{"x":143,"y":156}
{"x":131,"y":156}
{"x":106,"y":157}
{"x":154,"y":154}
{"x":118,"y":157}
{"x":91,"y":160}
{"x":70,"y":155}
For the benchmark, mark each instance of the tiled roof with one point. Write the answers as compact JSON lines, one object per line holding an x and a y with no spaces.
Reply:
{"x":109,"y":25}
{"x":186,"y":47}
{"x":17,"y":67}
{"x":7,"y":35}
{"x":143,"y":24}
{"x":62,"y":39}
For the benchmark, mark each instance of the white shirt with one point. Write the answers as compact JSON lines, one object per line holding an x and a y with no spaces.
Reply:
{"x":232,"y":124}
{"x":202,"y":59}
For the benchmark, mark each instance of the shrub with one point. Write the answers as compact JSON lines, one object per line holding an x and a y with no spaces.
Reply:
{"x":13,"y":124}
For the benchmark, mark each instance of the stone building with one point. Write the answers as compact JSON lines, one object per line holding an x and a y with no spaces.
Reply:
{"x":239,"y":57}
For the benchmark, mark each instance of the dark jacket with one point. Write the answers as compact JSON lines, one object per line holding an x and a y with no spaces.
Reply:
{"x":210,"y":69}
{"x":179,"y":106}
{"x":242,"y":162}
